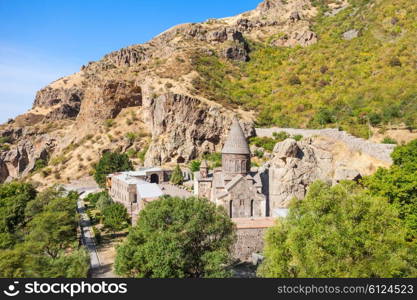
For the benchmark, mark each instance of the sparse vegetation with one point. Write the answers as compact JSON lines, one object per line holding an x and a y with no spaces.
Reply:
{"x":214,"y":159}
{"x":389,"y":140}
{"x":176,"y":176}
{"x":334,"y":83}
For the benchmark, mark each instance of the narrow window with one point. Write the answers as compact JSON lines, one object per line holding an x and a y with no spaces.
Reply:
{"x":251,"y":208}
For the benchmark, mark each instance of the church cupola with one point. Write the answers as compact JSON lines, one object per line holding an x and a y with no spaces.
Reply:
{"x":204,"y":169}
{"x":236,"y":152}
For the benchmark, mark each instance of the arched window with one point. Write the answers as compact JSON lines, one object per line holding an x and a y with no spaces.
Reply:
{"x":155,"y":178}
{"x":251,"y":207}
{"x":231,"y":208}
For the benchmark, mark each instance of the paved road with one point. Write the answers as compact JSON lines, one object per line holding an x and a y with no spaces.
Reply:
{"x":88,"y":236}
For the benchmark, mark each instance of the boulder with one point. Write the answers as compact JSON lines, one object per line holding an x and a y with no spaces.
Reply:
{"x":294,"y":166}
{"x":287,"y":148}
{"x":350,"y":34}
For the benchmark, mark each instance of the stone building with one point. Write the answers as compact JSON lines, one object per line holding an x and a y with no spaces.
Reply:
{"x":234,"y":186}
{"x":152,"y":175}
{"x":132,"y":192}
{"x":135,"y":189}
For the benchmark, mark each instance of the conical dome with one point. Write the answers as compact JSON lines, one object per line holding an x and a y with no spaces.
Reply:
{"x":236,"y":141}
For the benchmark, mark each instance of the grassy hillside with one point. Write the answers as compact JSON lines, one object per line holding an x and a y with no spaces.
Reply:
{"x":371,"y":79}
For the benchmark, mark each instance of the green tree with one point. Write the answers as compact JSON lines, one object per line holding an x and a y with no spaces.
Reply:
{"x":177,"y":238}
{"x":115,"y":217}
{"x":399,"y":185}
{"x":103,"y":201}
{"x":176,"y":176}
{"x":339,"y":231}
{"x":53,"y":231}
{"x":194,"y":165}
{"x":111,"y":162}
{"x":43,"y":240}
{"x":14,"y":197}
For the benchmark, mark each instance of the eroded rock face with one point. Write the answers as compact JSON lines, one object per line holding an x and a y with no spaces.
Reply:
{"x":183,"y":127}
{"x":66,"y":100}
{"x":4,"y":172}
{"x":20,"y":159}
{"x":294,"y":166}
{"x":127,"y":56}
{"x":107,"y":99}
{"x":301,"y":37}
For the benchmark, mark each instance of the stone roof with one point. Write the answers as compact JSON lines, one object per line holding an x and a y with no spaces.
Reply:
{"x":174,"y":191}
{"x":204,"y":164}
{"x":263,"y":222}
{"x":149,"y":190}
{"x":236,"y":141}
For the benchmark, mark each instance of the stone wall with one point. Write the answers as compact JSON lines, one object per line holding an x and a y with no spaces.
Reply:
{"x":378,"y":151}
{"x":249,"y":240}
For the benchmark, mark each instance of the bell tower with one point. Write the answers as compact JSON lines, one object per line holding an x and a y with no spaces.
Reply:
{"x":236,"y":152}
{"x":204,"y":169}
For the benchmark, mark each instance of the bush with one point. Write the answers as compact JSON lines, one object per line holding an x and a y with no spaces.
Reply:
{"x":109,"y":123}
{"x":266,"y":143}
{"x":176,"y":176}
{"x":388,"y":140}
{"x":280,"y":136}
{"x":294,"y":80}
{"x":131,"y":137}
{"x":214,"y":158}
{"x":399,"y":185}
{"x":103,"y":201}
{"x":194,"y":165}
{"x":141,"y":154}
{"x":258,"y":153}
{"x":297,"y":137}
{"x":97,"y":235}
{"x":395,"y":62}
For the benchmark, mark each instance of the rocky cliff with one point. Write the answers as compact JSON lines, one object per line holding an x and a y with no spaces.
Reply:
{"x":143,"y":99}
{"x":295,"y":165}
{"x":146,"y":90}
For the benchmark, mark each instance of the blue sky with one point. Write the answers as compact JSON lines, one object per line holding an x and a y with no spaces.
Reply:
{"x":42,"y":40}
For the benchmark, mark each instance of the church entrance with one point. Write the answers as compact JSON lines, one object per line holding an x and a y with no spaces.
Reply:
{"x":155,"y":178}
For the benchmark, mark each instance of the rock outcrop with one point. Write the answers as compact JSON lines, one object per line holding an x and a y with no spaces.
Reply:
{"x":183,"y":127}
{"x":21,"y":159}
{"x":155,"y":82}
{"x":296,"y":165}
{"x":65,"y":102}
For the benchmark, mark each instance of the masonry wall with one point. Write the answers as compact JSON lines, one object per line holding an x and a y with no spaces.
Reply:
{"x":378,"y":151}
{"x":249,"y":240}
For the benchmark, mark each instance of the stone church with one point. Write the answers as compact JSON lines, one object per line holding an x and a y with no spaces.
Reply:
{"x":240,"y":190}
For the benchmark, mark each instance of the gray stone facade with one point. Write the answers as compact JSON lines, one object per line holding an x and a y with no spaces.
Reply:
{"x":233,"y":186}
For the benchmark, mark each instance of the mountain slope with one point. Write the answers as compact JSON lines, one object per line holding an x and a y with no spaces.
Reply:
{"x":286,"y":63}
{"x":342,"y":80}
